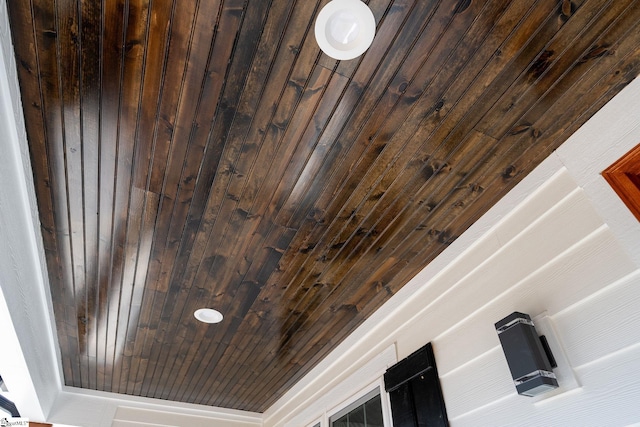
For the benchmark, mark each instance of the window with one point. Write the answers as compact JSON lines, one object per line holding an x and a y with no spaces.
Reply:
{"x":365,"y":412}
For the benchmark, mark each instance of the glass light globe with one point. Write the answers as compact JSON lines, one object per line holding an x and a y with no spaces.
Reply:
{"x":208,"y":315}
{"x":345,"y":28}
{"x":342,"y":28}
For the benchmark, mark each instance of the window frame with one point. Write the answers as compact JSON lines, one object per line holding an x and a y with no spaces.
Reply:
{"x":355,"y":404}
{"x":323,"y":399}
{"x":357,"y":399}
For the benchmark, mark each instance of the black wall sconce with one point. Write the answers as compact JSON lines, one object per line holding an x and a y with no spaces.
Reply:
{"x":528,"y":355}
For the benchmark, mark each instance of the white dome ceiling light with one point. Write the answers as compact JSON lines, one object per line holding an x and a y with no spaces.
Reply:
{"x":345,"y":28}
{"x":208,"y":315}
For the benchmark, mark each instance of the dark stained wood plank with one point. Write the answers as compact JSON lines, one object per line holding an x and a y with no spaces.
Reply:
{"x":373,"y":150}
{"x":323,"y":287}
{"x":129,"y":200}
{"x":275,"y":43}
{"x":573,"y":101}
{"x":349,"y":230}
{"x":154,"y":69}
{"x":323,"y":83}
{"x":229,"y":206}
{"x":89,"y":14}
{"x":111,"y":58}
{"x":148,"y":217}
{"x":126,"y":217}
{"x":278,"y":130}
{"x":170,"y":152}
{"x":557,"y":56}
{"x":37,"y":72}
{"x":172,"y":311}
{"x":69,"y":86}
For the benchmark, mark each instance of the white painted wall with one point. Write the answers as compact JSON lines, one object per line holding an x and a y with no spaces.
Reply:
{"x":561,"y":247}
{"x":27,"y":358}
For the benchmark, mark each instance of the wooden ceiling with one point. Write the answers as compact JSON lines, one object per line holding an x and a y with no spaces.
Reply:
{"x":205,"y":153}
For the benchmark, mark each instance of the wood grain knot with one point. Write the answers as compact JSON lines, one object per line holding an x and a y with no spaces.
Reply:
{"x":462,"y":6}
{"x":541,"y":64}
{"x":595,"y":52}
{"x":509,"y":172}
{"x":520,"y":129}
{"x":567,"y":8}
{"x":445,"y":237}
{"x":476,"y":188}
{"x":26,"y":66}
{"x":308,"y":248}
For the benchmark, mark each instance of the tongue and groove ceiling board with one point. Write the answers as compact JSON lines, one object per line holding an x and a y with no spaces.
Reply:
{"x":205,"y":153}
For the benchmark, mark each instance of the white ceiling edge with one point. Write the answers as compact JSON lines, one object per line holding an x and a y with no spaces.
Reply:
{"x":81,"y":407}
{"x":609,"y":134}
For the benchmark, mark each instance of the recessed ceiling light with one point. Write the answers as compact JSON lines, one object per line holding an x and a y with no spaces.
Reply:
{"x":208,"y":315}
{"x":345,"y":28}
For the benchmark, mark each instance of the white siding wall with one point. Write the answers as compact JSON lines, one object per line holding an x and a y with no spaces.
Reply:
{"x":561,"y":247}
{"x":27,"y":357}
{"x":565,"y":264}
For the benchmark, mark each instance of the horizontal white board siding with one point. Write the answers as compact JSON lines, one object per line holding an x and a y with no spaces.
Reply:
{"x":553,"y":233}
{"x":605,"y":323}
{"x":569,"y":266}
{"x":483,"y":381}
{"x":609,"y":397}
{"x":540,"y":201}
{"x":549,"y":290}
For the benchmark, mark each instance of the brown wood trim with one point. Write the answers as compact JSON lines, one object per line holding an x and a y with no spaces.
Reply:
{"x":624,"y":178}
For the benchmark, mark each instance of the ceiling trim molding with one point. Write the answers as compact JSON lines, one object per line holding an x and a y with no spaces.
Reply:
{"x":102,"y":409}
